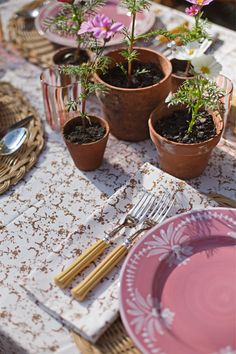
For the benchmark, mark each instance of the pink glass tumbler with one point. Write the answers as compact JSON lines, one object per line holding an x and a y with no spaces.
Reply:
{"x":58,"y":90}
{"x":226,"y":85}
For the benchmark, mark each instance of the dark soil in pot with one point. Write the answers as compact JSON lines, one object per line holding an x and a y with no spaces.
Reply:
{"x":179,"y":68}
{"x":83,"y":135}
{"x":175,"y":126}
{"x":116,"y":77}
{"x":69,"y":57}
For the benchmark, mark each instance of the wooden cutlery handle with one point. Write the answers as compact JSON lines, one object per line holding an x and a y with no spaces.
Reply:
{"x":113,"y":258}
{"x":88,"y":256}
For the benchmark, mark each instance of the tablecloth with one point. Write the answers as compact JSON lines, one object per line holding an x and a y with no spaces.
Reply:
{"x":24,"y":328}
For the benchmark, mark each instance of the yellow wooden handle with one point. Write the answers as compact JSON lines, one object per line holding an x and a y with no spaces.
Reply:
{"x":66,"y":277}
{"x":113,"y":258}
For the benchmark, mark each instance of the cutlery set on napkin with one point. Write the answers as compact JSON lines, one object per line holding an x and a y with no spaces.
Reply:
{"x":148,"y":211}
{"x":102,"y":242}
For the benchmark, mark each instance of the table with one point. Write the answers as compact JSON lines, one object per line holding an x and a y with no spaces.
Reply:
{"x":29,"y":230}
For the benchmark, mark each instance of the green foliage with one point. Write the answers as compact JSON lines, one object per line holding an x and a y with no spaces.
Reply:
{"x":130,"y":54}
{"x":70,"y":17}
{"x":197,"y":94}
{"x":84,"y":72}
{"x":197,"y":33}
{"x":135,"y":6}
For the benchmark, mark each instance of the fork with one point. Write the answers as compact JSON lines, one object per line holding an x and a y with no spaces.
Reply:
{"x":135,"y":216}
{"x":156,"y":215}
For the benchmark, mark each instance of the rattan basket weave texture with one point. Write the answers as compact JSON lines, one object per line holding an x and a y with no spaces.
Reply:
{"x":13,"y":107}
{"x":27,"y":40}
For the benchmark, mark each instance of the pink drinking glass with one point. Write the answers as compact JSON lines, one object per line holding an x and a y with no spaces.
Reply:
{"x":226,"y":85}
{"x":58,"y":90}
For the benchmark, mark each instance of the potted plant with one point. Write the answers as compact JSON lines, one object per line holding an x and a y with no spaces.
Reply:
{"x":137,"y":80}
{"x":68,"y":22}
{"x":85,"y":135}
{"x":191,"y":44}
{"x":186,"y":131}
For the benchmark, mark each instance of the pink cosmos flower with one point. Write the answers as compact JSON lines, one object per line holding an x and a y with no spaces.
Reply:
{"x":192,"y":10}
{"x":101,"y":26}
{"x":200,"y":2}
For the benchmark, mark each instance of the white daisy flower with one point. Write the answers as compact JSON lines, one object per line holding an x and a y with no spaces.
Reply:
{"x":206,"y":65}
{"x":191,"y":50}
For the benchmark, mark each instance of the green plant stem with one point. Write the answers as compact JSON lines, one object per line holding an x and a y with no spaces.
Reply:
{"x":131,"y":49}
{"x":83,"y":110}
{"x":77,"y":51}
{"x":85,"y":82}
{"x":196,"y":107}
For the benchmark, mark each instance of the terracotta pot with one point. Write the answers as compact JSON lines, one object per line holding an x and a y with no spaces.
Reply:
{"x":128,"y":110}
{"x":60,"y":53}
{"x":87,"y":157}
{"x":178,"y":80}
{"x":178,"y":159}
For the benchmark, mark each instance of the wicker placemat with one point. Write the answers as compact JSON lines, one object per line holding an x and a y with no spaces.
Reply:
{"x":13,"y":107}
{"x":116,"y":340}
{"x":27,"y":40}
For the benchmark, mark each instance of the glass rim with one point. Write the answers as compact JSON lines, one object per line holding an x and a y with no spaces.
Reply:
{"x":231,"y":87}
{"x":44,"y":82}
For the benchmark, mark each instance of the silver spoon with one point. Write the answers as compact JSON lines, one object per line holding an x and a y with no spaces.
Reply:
{"x":12,"y":141}
{"x":28,"y":14}
{"x":31,"y":14}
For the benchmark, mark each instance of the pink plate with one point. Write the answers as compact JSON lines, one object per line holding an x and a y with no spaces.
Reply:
{"x":145,"y":21}
{"x":178,"y":285}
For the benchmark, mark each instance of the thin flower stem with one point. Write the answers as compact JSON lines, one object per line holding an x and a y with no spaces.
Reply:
{"x":83,"y":110}
{"x":77,"y":51}
{"x":131,"y":49}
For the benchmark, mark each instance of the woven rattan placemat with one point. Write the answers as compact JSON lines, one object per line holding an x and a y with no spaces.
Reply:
{"x":116,"y":340}
{"x":13,"y":107}
{"x":27,"y":40}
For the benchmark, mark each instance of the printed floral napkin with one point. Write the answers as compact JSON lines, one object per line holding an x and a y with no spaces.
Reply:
{"x":93,"y":316}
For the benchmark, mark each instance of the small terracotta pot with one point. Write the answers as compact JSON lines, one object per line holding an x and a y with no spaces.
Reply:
{"x":60,"y":53}
{"x":178,"y":80}
{"x":87,"y":157}
{"x":128,"y":110}
{"x":182,"y":160}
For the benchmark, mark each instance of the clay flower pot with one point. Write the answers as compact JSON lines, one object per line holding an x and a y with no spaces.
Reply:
{"x":59,"y":56}
{"x":126,"y":109}
{"x":176,"y":79}
{"x":183,"y":160}
{"x":87,"y":157}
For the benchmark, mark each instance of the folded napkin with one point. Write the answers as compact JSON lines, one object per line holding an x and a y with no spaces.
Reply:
{"x":93,"y":316}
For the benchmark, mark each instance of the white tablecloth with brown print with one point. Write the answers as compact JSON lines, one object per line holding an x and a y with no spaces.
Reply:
{"x":67,"y":196}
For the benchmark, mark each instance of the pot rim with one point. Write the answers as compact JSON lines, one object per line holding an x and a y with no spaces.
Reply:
{"x":178,"y":76}
{"x":122,"y":89}
{"x":107,"y":127}
{"x":151,"y":126}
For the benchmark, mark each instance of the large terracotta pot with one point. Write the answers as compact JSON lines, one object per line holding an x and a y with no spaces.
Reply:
{"x":182,"y":160}
{"x":87,"y":157}
{"x":128,"y":110}
{"x":178,"y":80}
{"x":60,"y":53}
